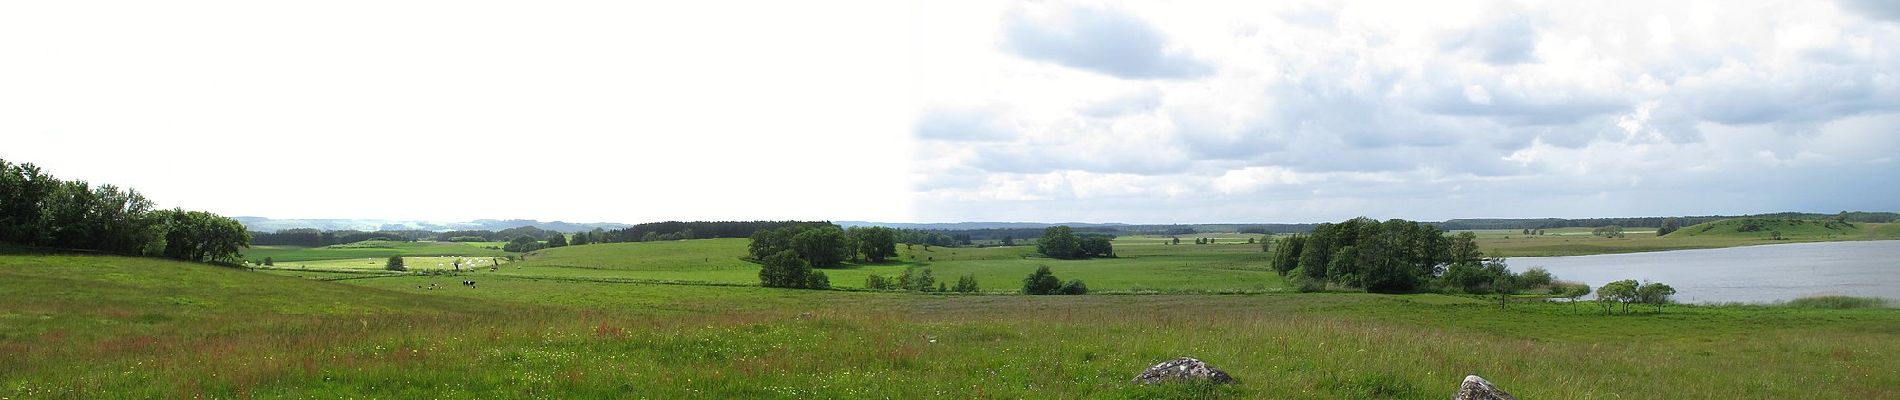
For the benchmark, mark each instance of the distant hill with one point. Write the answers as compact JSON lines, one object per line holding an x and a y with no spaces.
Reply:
{"x":262,"y":224}
{"x":1785,"y":228}
{"x":973,"y":225}
{"x":1649,"y":222}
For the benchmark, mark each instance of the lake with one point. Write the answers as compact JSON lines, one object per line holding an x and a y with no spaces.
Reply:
{"x":1755,"y":274}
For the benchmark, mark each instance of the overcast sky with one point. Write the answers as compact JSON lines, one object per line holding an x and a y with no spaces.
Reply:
{"x":1144,"y":112}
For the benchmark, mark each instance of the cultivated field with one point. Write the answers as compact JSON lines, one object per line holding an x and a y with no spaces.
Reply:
{"x":585,"y":321}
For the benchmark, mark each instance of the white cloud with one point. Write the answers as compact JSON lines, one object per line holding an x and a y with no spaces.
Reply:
{"x":1417,"y":110}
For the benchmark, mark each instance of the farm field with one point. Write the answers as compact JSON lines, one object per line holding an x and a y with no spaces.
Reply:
{"x":373,"y":249}
{"x":1233,"y":267}
{"x":102,"y":326}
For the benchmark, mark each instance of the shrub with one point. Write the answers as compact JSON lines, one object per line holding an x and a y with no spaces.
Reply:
{"x":877,"y":282}
{"x":1041,"y":282}
{"x":1075,"y":286}
{"x":395,"y":264}
{"x":967,"y":284}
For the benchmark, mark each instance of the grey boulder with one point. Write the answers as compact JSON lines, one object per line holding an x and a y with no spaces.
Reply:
{"x":1476,"y":388}
{"x":1184,"y":369}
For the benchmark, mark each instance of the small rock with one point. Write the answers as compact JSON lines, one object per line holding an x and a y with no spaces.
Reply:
{"x":1182,"y":369}
{"x":1476,"y":388}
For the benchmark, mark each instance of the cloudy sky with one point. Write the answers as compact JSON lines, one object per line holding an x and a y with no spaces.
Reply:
{"x":963,"y":110}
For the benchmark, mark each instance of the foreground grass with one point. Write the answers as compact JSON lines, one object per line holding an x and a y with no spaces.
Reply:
{"x":111,"y":327}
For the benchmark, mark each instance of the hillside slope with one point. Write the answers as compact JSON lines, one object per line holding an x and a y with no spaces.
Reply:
{"x":1783,"y":228}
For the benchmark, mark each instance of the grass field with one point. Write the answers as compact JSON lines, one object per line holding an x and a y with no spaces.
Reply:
{"x":1578,"y":241}
{"x":1217,"y":267}
{"x":373,"y":249}
{"x":114,"y":327}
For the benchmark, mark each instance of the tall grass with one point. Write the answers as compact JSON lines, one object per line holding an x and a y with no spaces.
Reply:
{"x":1839,"y":302}
{"x":111,"y":327}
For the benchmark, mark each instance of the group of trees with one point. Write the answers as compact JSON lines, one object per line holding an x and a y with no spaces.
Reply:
{"x":825,"y":246}
{"x":1608,"y":231}
{"x":680,"y":230}
{"x":786,"y":269}
{"x":1669,"y":225}
{"x":1043,"y":282}
{"x":318,"y":238}
{"x":1391,"y":256}
{"x":1629,"y":291}
{"x":523,"y":244}
{"x":37,"y":209}
{"x":1061,"y":242}
{"x":920,"y":280}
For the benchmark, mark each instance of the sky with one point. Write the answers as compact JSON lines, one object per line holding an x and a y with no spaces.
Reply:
{"x":942,"y":111}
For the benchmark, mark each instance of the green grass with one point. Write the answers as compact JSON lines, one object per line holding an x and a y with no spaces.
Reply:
{"x":1219,"y":268}
{"x":114,"y":327}
{"x":1718,"y":234}
{"x":372,"y":249}
{"x":1839,"y":302}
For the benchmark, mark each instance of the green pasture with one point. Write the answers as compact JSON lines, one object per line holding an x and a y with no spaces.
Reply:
{"x":373,"y":249}
{"x":115,"y":327}
{"x":1216,"y":267}
{"x":1726,"y":233}
{"x":412,"y":263}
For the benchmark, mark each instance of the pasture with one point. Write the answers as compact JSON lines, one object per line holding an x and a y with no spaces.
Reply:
{"x":1579,"y":241}
{"x":373,"y":249}
{"x":115,"y":327}
{"x":1234,"y":267}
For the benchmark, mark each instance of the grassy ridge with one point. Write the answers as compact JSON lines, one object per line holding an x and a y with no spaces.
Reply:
{"x":1718,"y":234}
{"x":79,"y":326}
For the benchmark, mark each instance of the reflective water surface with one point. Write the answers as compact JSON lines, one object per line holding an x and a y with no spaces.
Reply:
{"x":1757,"y":274}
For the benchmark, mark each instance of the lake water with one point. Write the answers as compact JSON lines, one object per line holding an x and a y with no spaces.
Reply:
{"x":1756,"y":274}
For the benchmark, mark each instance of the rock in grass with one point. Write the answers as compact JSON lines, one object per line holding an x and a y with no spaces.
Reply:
{"x":1182,"y":369}
{"x":1476,"y":388}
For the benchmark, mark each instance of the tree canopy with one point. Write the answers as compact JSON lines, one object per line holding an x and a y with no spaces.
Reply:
{"x":37,"y":209}
{"x":1061,"y":242}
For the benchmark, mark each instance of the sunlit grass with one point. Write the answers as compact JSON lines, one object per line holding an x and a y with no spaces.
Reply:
{"x":92,"y":327}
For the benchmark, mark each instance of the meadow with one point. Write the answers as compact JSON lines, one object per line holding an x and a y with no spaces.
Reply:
{"x":373,"y":249}
{"x":1148,"y":267}
{"x":598,"y":321}
{"x":1719,"y":234}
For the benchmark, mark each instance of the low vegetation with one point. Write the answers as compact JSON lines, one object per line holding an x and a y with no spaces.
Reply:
{"x":1839,"y":302}
{"x":116,"y":327}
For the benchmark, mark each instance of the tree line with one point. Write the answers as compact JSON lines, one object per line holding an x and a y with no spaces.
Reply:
{"x":1061,"y":242}
{"x":1652,"y":222}
{"x":37,"y":209}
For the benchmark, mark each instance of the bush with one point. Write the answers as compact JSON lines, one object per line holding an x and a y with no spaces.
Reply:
{"x":1535,"y":277}
{"x":877,"y":282}
{"x":1041,"y":282}
{"x":395,"y":264}
{"x":967,"y":284}
{"x":1075,"y":286}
